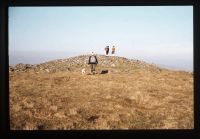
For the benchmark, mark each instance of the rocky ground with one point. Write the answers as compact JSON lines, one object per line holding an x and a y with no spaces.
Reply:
{"x":133,"y":95}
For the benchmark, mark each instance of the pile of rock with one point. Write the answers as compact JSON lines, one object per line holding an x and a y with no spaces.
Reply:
{"x":79,"y":62}
{"x":51,"y":67}
{"x":21,"y":67}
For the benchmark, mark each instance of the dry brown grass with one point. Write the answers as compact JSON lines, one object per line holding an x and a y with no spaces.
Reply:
{"x":139,"y":99}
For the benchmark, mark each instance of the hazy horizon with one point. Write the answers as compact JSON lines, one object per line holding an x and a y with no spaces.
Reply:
{"x":162,"y":35}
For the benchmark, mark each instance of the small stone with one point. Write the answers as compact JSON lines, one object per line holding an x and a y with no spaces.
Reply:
{"x":118,"y":106}
{"x":113,"y":65}
{"x":72,"y":111}
{"x":60,"y":115}
{"x":28,"y":105}
{"x":47,"y":70}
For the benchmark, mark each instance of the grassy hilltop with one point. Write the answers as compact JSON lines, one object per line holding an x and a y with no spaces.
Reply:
{"x":133,"y":95}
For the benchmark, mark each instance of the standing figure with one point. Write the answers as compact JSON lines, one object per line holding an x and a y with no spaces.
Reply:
{"x":113,"y":50}
{"x":93,"y":62}
{"x":107,"y":50}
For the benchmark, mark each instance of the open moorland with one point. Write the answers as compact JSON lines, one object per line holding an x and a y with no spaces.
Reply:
{"x":133,"y":95}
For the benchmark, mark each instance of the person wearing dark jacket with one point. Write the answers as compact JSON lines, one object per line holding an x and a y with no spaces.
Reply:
{"x":93,"y":62}
{"x":107,"y":50}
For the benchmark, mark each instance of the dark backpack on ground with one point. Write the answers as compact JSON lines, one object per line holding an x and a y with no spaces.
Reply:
{"x":104,"y":71}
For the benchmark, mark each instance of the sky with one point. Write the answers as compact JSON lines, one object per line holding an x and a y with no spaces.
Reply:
{"x":162,"y":35}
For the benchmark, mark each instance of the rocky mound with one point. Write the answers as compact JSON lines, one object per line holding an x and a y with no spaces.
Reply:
{"x":79,"y":62}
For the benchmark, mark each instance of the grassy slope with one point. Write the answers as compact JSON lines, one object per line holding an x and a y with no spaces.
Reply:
{"x":135,"y":98}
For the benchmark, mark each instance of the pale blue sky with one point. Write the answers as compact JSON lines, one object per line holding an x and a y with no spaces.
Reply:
{"x":157,"y":34}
